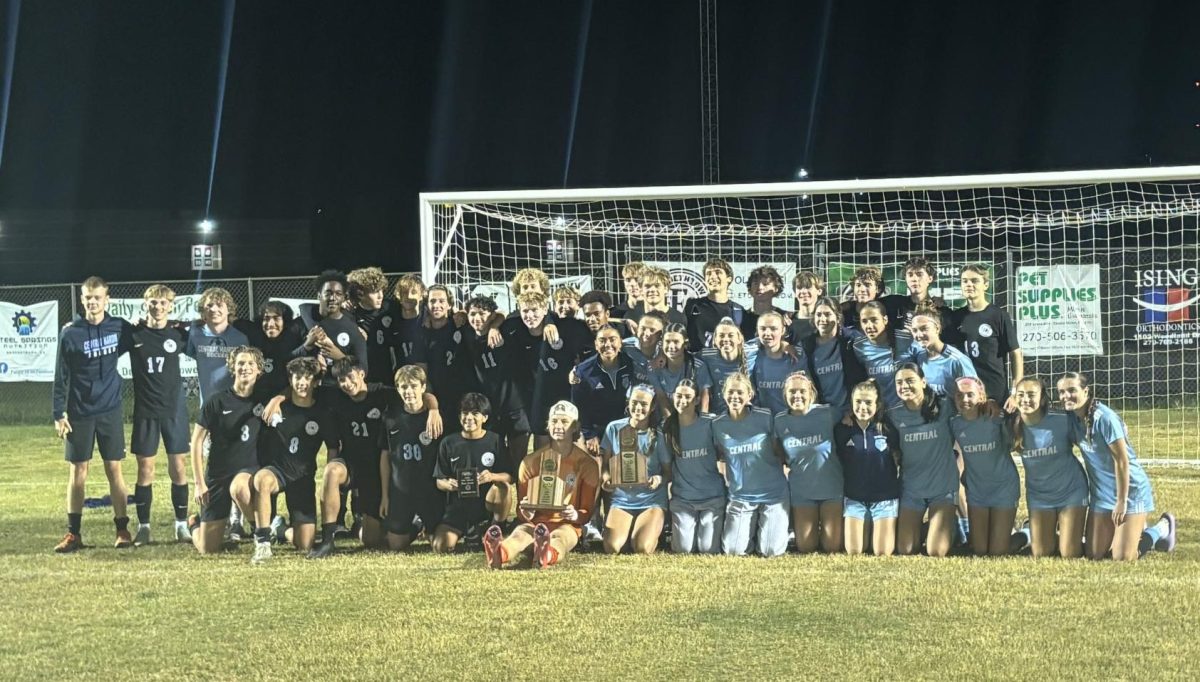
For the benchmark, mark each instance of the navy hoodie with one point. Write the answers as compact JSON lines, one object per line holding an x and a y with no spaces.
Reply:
{"x":86,"y":382}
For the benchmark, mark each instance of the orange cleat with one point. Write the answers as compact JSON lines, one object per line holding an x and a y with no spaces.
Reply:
{"x":70,"y":543}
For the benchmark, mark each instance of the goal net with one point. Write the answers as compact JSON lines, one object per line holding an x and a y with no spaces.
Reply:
{"x":1097,"y":268}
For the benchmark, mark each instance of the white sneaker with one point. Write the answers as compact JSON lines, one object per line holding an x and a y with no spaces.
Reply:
{"x":142,"y":537}
{"x":236,"y":518}
{"x":262,"y":553}
{"x":279,"y":529}
{"x":182,"y":532}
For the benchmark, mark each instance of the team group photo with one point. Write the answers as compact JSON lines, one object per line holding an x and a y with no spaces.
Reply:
{"x":687,"y":340}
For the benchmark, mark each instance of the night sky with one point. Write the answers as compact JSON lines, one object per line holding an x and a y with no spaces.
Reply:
{"x":338,"y":113}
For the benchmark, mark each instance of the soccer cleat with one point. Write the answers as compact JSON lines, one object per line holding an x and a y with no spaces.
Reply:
{"x":70,"y":543}
{"x":1019,"y":541}
{"x":142,"y":537}
{"x":124,"y":540}
{"x":341,"y":531}
{"x":491,"y":547}
{"x":279,"y":529}
{"x":541,"y":546}
{"x":182,"y":532}
{"x":321,"y":550}
{"x":262,"y":553}
{"x":1167,"y":542}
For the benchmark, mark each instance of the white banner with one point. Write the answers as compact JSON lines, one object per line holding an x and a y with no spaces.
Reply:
{"x":687,"y":281}
{"x":1058,"y":310}
{"x":502,"y":291}
{"x":28,"y":341}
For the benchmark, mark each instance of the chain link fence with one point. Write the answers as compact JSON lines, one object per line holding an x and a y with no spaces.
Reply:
{"x":30,"y":402}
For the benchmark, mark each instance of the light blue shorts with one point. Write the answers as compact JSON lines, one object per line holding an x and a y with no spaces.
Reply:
{"x":1144,"y":504}
{"x":806,"y":502}
{"x":1076,"y":500}
{"x":913,"y":502}
{"x":870,"y":511}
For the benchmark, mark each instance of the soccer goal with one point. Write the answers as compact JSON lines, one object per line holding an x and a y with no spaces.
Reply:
{"x":1097,"y":268}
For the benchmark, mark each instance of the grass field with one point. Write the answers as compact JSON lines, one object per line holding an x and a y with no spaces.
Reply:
{"x":164,"y":612}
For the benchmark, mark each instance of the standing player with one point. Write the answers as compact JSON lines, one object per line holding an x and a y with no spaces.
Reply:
{"x":230,"y":421}
{"x":87,"y":407}
{"x":1120,"y":493}
{"x":377,"y":318}
{"x":551,"y":533}
{"x":281,"y":334}
{"x":680,"y":365}
{"x":494,"y":372}
{"x":408,"y":454}
{"x":986,"y":334}
{"x":407,"y":337}
{"x":358,"y":410}
{"x":758,"y":489}
{"x":941,"y":364}
{"x":729,"y":355}
{"x":643,"y":349}
{"x":879,"y":348}
{"x":763,"y":284}
{"x":776,"y":361}
{"x":655,"y":285}
{"x":159,"y":409}
{"x":551,"y":383}
{"x":523,"y":338}
{"x":331,"y":334}
{"x":866,"y":286}
{"x":1056,"y":488}
{"x":832,"y":363}
{"x":807,"y":288}
{"x":805,"y":432}
{"x":919,"y":275}
{"x":631,"y":280}
{"x":449,"y":376}
{"x":566,"y":302}
{"x":291,"y":446}
{"x":636,"y":513}
{"x":704,"y":314}
{"x":604,"y":379}
{"x":688,"y":450}
{"x":212,"y":337}
{"x":476,"y":450}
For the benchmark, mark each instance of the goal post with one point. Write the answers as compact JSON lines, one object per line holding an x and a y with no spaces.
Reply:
{"x":1098,"y":268}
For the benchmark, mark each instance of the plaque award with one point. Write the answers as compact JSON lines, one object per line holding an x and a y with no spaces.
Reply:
{"x":547,"y":491}
{"x":627,"y":468}
{"x":468,"y":483}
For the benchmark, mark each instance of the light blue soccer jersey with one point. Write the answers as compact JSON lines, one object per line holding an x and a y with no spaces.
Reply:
{"x":719,"y":369}
{"x":636,"y":498}
{"x":880,"y":361}
{"x":694,"y":474}
{"x":1108,"y":428}
{"x":927,"y":466}
{"x":942,"y":369}
{"x":815,"y":473}
{"x":831,"y":377}
{"x":642,"y":374}
{"x":752,"y":470}
{"x":1053,"y":477}
{"x":769,"y":376}
{"x":991,"y":476}
{"x":667,"y":381}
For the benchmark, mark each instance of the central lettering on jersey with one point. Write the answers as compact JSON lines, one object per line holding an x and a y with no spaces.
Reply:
{"x":981,"y":448}
{"x":746,"y":448}
{"x":764,"y":385}
{"x":695,"y":453}
{"x":213,"y":350}
{"x":104,"y":345}
{"x":1040,"y":452}
{"x":917,"y":436}
{"x":882,"y":369}
{"x":803,"y":441}
{"x":829,"y":369}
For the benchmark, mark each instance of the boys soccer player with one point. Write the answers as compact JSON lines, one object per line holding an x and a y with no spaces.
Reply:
{"x":555,"y":361}
{"x":985,"y":332}
{"x":407,"y":454}
{"x":358,"y":409}
{"x":918,"y":275}
{"x":449,"y":376}
{"x":473,"y":470}
{"x":566,"y":302}
{"x":376,"y":318}
{"x":408,"y":341}
{"x":331,"y":334}
{"x":655,"y":287}
{"x":552,"y":533}
{"x":211,"y":338}
{"x":494,"y":371}
{"x":631,"y":280}
{"x":703,"y":314}
{"x":230,"y":420}
{"x":281,"y":334}
{"x":291,"y":446}
{"x":159,"y":409}
{"x":87,"y":389}
{"x":866,"y":285}
{"x":763,"y":285}
{"x":807,"y":288}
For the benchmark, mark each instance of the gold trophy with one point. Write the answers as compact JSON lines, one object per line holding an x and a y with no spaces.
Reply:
{"x":627,"y":468}
{"x":547,"y":491}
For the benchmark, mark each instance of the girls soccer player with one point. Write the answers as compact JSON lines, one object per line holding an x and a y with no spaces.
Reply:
{"x":758,"y":492}
{"x":831,"y":360}
{"x":686,"y":449}
{"x":635,"y":513}
{"x":1119,"y":489}
{"x":730,"y":354}
{"x":940,"y":363}
{"x":805,"y":432}
{"x":680,"y":365}
{"x":870,"y":457}
{"x":928,"y":473}
{"x":1056,"y":490}
{"x":879,"y":348}
{"x":991,"y":477}
{"x":776,"y":360}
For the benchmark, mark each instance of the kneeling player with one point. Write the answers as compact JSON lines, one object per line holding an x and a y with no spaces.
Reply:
{"x":407,"y":454}
{"x":473,"y":470}
{"x":551,"y":532}
{"x":291,"y":447}
{"x":229,"y":421}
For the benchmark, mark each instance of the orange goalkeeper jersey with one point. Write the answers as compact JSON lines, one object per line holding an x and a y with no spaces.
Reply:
{"x":580,"y":476}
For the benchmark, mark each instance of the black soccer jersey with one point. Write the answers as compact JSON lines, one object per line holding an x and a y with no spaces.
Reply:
{"x":411,"y":452}
{"x":554,"y":365}
{"x":900,"y":310}
{"x":233,"y":424}
{"x":408,"y":340}
{"x":703,"y":314}
{"x":154,"y":361}
{"x":524,"y":350}
{"x":493,"y":368}
{"x":987,"y":337}
{"x":638,"y":311}
{"x":277,"y":352}
{"x":800,"y":328}
{"x":457,"y":453}
{"x":292,"y":445}
{"x":378,"y":326}
{"x":359,"y":422}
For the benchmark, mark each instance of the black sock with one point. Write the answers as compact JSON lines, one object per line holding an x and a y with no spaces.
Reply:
{"x":74,"y":521}
{"x":121,"y":522}
{"x":262,"y":535}
{"x":179,"y":500}
{"x":327,"y":531}
{"x":142,"y":496}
